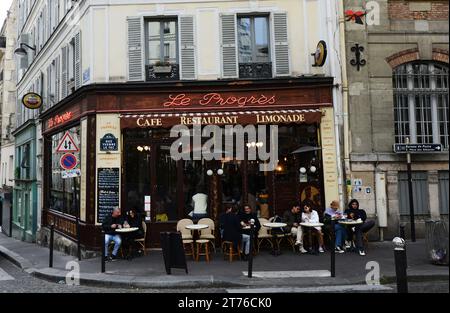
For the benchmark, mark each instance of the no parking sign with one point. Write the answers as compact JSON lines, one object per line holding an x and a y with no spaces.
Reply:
{"x":68,"y":161}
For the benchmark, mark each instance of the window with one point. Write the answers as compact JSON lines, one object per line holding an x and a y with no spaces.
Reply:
{"x":162,"y":42}
{"x":253,"y":47}
{"x":64,"y":193}
{"x":420,"y":193}
{"x":421,"y":103}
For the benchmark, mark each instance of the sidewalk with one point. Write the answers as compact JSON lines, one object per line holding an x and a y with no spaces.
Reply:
{"x":289,"y":269}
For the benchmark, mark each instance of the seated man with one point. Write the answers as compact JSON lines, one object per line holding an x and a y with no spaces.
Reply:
{"x":333,"y":212}
{"x":311,"y":216}
{"x":231,"y":227}
{"x":293,"y":218}
{"x":245,"y":217}
{"x":110,"y":224}
{"x":355,"y":213}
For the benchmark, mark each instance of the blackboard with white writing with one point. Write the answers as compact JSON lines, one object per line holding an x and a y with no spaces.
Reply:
{"x":107,"y":192}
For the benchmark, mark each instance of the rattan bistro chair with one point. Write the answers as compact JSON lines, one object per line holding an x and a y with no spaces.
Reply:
{"x":208,"y":233}
{"x":263,"y":235}
{"x":141,"y":241}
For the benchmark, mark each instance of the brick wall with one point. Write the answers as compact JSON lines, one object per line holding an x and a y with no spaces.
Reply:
{"x":418,"y":10}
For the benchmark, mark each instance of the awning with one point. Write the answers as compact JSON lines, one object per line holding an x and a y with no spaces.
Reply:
{"x":163,"y":120}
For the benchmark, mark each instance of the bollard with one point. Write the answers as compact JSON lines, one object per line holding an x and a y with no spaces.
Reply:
{"x":400,"y":264}
{"x":250,"y":256}
{"x":332,"y":252}
{"x":52,"y":233}
{"x":78,"y":239}
{"x":103,"y":251}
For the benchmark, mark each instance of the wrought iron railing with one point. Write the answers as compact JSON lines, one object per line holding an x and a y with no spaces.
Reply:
{"x":166,"y":72}
{"x":255,"y":70}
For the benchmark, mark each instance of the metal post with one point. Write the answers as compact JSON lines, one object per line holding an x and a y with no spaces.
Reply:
{"x":333,"y":256}
{"x":103,"y":251}
{"x":52,"y":232}
{"x":250,"y":256}
{"x":400,"y":265}
{"x":78,"y":239}
{"x":411,"y":198}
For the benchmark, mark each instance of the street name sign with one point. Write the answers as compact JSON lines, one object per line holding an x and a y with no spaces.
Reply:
{"x":417,"y":148}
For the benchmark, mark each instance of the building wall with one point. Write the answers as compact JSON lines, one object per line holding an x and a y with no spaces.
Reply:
{"x":408,"y":31}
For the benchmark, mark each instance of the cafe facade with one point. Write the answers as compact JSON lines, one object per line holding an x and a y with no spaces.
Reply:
{"x":121,"y":137}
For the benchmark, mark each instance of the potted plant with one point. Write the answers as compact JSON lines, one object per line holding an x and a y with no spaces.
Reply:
{"x":162,"y":67}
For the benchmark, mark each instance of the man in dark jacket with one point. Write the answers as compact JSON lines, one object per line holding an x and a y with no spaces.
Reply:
{"x":355,"y":213}
{"x":293,"y":218}
{"x":231,"y":227}
{"x":110,"y":224}
{"x":246,"y":217}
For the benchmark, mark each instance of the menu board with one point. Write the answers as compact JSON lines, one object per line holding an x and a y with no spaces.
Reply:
{"x":107,"y":192}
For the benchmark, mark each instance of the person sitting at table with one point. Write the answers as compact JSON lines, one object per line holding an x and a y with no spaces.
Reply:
{"x":293,"y":218}
{"x":222,"y":218}
{"x":134,"y":220}
{"x":109,"y":225}
{"x":355,"y":213}
{"x":310,"y":216}
{"x":245,"y":218}
{"x":333,"y":212}
{"x":232,"y":227}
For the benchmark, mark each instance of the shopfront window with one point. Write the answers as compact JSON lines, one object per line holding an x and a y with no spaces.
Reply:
{"x":166,"y":185}
{"x":64,"y":193}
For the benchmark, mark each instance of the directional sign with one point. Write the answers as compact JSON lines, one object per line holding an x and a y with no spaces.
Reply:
{"x":417,"y":148}
{"x":68,"y":161}
{"x":67,"y":144}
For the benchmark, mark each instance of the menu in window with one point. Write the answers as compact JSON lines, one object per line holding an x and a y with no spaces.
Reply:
{"x":107,"y":192}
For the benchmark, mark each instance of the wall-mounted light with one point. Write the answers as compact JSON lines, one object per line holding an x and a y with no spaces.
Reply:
{"x":302,"y":170}
{"x":209,"y":172}
{"x":21,"y":50}
{"x":140,"y":149}
{"x":313,"y":169}
{"x":220,"y":172}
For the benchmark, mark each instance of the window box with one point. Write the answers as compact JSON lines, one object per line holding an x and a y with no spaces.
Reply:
{"x":162,"y":72}
{"x":162,"y":68}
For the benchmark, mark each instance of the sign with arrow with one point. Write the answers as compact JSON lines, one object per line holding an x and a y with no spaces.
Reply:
{"x":67,"y":144}
{"x":418,"y":148}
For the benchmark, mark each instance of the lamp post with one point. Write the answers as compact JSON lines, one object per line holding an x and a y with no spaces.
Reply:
{"x":410,"y":194}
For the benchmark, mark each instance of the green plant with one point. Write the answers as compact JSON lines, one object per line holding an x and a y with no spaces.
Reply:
{"x":17,"y":173}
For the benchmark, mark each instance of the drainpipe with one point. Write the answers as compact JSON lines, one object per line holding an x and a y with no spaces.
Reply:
{"x":335,"y":69}
{"x":347,"y":134}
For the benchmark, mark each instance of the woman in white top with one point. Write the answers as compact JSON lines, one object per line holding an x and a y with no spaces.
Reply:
{"x":200,"y":204}
{"x":310,"y":216}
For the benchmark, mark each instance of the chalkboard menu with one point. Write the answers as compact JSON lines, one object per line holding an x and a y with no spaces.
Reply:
{"x":108,"y":192}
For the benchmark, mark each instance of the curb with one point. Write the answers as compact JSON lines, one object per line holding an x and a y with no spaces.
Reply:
{"x":16,"y":259}
{"x":160,"y":282}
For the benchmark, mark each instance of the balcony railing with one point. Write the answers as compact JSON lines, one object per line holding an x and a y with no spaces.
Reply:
{"x":165,"y":72}
{"x":255,"y":70}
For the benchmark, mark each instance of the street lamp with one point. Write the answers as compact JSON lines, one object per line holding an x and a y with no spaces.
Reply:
{"x":21,"y":51}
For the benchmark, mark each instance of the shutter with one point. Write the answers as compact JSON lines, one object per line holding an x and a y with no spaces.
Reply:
{"x":64,"y":73}
{"x":57,"y":78}
{"x":187,"y":47}
{"x":135,"y":49}
{"x":228,"y":46}
{"x":77,"y":56}
{"x":49,"y":100}
{"x":443,"y":192}
{"x":281,"y":44}
{"x":420,"y":193}
{"x":44,"y":25}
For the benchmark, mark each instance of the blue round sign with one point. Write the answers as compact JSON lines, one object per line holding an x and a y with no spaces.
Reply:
{"x":68,"y":161}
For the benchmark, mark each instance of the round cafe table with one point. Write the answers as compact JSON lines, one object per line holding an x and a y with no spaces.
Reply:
{"x":275,"y":248}
{"x":125,"y":231}
{"x":310,"y":226}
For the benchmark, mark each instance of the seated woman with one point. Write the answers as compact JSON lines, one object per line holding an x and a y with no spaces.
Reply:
{"x":310,"y":216}
{"x":133,"y":220}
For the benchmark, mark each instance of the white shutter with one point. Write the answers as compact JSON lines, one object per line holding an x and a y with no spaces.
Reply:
{"x":77,"y":56}
{"x":48,"y":101}
{"x":187,"y":47}
{"x":281,"y":44}
{"x":135,"y":49}
{"x":64,"y":73}
{"x":229,"y":46}
{"x":57,"y":78}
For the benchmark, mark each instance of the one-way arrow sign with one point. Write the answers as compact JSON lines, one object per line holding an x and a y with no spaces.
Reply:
{"x":67,"y":144}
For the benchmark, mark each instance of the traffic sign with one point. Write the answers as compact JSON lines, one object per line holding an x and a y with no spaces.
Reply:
{"x":417,"y":148}
{"x":68,"y":161}
{"x":67,"y":144}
